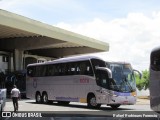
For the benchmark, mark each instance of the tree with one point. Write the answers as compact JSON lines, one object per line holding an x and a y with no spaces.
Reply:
{"x":142,"y":83}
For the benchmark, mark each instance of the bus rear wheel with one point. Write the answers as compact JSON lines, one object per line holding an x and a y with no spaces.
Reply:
{"x":91,"y":102}
{"x":38,"y":98}
{"x":114,"y":106}
{"x":45,"y":98}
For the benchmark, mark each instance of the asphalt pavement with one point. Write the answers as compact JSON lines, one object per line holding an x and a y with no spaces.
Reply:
{"x":79,"y":111}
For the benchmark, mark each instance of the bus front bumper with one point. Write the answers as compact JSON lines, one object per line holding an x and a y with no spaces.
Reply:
{"x":123,"y":100}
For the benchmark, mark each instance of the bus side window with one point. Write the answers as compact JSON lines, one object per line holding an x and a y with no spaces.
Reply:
{"x":83,"y":68}
{"x":43,"y":70}
{"x":57,"y":69}
{"x":73,"y":68}
{"x":102,"y":79}
{"x":63,"y":69}
{"x":98,"y":78}
{"x":78,"y":69}
{"x":69,"y":69}
{"x":40,"y":71}
{"x":50,"y":70}
{"x":30,"y":71}
{"x":37,"y":73}
{"x":89,"y":69}
{"x":76,"y":72}
{"x":97,"y":63}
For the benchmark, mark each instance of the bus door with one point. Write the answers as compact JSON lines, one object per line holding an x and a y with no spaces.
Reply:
{"x":102,"y":81}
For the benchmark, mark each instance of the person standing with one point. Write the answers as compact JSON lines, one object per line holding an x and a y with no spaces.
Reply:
{"x":15,"y":94}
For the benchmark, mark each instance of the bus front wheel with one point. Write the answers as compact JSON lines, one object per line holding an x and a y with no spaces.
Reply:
{"x":38,"y":98}
{"x":91,"y":101}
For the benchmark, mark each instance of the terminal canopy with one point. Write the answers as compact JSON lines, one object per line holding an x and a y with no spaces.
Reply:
{"x":37,"y":38}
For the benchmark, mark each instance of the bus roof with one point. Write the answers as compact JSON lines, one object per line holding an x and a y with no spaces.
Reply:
{"x":67,"y":59}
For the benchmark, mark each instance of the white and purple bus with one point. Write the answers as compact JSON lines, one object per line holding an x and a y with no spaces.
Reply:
{"x":84,"y":79}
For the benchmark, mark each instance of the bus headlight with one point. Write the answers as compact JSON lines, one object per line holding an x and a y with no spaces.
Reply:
{"x":134,"y":94}
{"x":115,"y":95}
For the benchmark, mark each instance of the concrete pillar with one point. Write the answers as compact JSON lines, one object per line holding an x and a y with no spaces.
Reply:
{"x":10,"y":62}
{"x":18,"y":60}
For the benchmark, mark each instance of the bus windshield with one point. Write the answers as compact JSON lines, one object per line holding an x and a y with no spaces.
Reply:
{"x":123,"y":79}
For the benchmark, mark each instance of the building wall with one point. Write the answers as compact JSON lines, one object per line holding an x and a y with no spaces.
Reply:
{"x":7,"y":61}
{"x":29,"y":59}
{"x":4,"y":61}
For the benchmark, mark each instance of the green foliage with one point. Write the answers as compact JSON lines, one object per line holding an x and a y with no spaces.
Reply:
{"x":142,"y":83}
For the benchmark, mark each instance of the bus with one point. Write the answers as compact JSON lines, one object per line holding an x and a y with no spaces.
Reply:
{"x":154,"y":85}
{"x":84,"y":79}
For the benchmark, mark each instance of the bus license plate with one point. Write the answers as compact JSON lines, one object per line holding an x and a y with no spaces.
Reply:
{"x":125,"y":102}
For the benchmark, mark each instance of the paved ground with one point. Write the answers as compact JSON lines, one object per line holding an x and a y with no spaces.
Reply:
{"x":30,"y":105}
{"x":143,"y":101}
{"x":79,"y":111}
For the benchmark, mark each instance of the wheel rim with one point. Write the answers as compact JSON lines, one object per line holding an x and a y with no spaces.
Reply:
{"x":93,"y":101}
{"x":45,"y":98}
{"x":38,"y":98}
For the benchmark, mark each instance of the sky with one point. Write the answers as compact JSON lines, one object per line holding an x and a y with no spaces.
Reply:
{"x":131,"y":27}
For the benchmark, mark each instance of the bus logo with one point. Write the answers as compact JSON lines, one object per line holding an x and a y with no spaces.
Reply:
{"x":84,"y":80}
{"x":35,"y":83}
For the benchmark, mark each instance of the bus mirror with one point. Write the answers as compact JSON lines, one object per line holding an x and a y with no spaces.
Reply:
{"x":109,"y":72}
{"x":140,"y":74}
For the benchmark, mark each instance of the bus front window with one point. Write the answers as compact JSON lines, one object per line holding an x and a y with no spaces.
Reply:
{"x":129,"y":78}
{"x":123,"y":79}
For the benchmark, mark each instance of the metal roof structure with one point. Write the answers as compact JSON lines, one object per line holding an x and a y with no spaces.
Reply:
{"x":18,"y":32}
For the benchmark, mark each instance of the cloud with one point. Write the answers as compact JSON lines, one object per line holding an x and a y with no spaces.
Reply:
{"x":131,"y":38}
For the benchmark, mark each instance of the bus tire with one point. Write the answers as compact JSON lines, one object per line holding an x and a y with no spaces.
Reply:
{"x":91,"y":102}
{"x":38,"y":98}
{"x":114,"y":106}
{"x":45,"y":98}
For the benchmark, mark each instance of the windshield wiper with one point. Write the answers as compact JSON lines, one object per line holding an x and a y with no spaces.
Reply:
{"x":115,"y":87}
{"x":130,"y":87}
